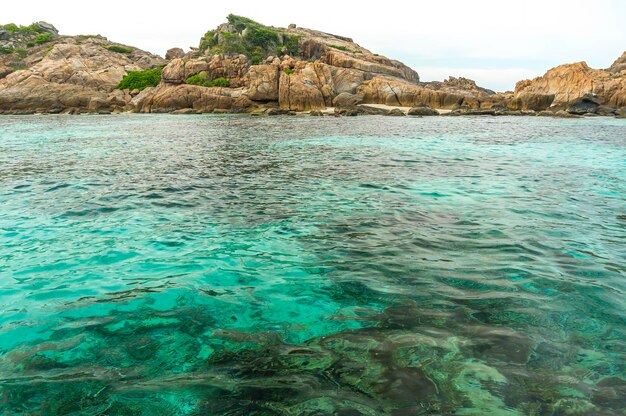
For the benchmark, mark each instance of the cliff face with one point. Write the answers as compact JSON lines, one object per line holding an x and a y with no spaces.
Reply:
{"x":246,"y":66}
{"x":570,"y":82}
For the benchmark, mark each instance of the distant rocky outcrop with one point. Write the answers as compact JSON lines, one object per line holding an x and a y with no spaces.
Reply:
{"x":619,"y":65}
{"x":65,"y":73}
{"x":244,"y":66}
{"x":567,"y":83}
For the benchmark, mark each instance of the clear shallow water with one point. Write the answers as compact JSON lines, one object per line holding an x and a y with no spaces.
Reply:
{"x":174,"y":265}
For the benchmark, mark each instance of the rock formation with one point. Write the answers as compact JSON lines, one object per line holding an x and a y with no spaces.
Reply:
{"x":244,"y":66}
{"x":68,"y":74}
{"x":567,"y":83}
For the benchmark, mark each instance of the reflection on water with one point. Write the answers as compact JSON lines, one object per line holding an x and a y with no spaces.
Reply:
{"x":231,"y":265}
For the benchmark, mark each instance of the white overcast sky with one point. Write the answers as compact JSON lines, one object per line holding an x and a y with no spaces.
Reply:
{"x":495,"y":42}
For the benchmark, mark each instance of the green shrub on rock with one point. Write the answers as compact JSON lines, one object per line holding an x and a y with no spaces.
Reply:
{"x":209,"y":40}
{"x":292,"y":43}
{"x":119,"y":48}
{"x":5,"y":50}
{"x":340,"y":47}
{"x":263,"y":37}
{"x":198,"y":79}
{"x":140,"y":80}
{"x":250,"y":38}
{"x":240,"y":23}
{"x":221,"y":82}
{"x":202,"y":79}
{"x":22,"y":30}
{"x":11,"y":27}
{"x":43,"y":38}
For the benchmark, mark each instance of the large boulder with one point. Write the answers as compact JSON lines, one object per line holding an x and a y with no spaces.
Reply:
{"x":423,"y":111}
{"x":309,"y":86}
{"x":347,"y":80}
{"x":530,"y":101}
{"x":396,"y":112}
{"x":169,"y":98}
{"x":589,"y":103}
{"x":565,"y":114}
{"x":369,"y":63}
{"x":262,"y":82}
{"x":397,"y":92}
{"x":605,"y":110}
{"x":234,"y":68}
{"x":369,"y":110}
{"x":35,"y":94}
{"x":45,"y":27}
{"x":569,"y":82}
{"x":174,"y":53}
{"x":347,"y":100}
{"x":459,"y":85}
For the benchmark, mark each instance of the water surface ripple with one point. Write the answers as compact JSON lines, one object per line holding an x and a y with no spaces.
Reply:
{"x":234,"y":265}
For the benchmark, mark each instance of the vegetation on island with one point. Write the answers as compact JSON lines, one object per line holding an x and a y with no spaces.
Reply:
{"x":44,"y":38}
{"x":140,"y":80}
{"x":340,"y":47}
{"x":119,"y":48}
{"x":34,"y":35}
{"x":41,"y":39}
{"x":14,"y":29}
{"x":202,"y":79}
{"x":249,"y":38}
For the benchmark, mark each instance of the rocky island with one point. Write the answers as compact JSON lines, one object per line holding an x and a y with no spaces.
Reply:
{"x":245,"y":66}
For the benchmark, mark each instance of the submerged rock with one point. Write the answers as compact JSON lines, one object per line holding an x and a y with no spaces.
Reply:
{"x":396,"y":112}
{"x":605,"y":110}
{"x":423,"y":111}
{"x":142,"y":348}
{"x":565,"y":114}
{"x":610,"y":392}
{"x":276,"y":112}
{"x":185,"y":111}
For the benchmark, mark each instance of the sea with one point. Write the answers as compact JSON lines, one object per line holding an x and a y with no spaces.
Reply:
{"x":238,"y":265}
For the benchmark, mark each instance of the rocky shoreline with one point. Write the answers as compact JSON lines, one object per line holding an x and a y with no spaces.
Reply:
{"x":246,"y":67}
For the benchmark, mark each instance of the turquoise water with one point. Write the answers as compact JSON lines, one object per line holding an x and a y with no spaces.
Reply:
{"x":235,"y":265}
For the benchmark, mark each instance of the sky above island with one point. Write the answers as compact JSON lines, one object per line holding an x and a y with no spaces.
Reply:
{"x":496,"y":43}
